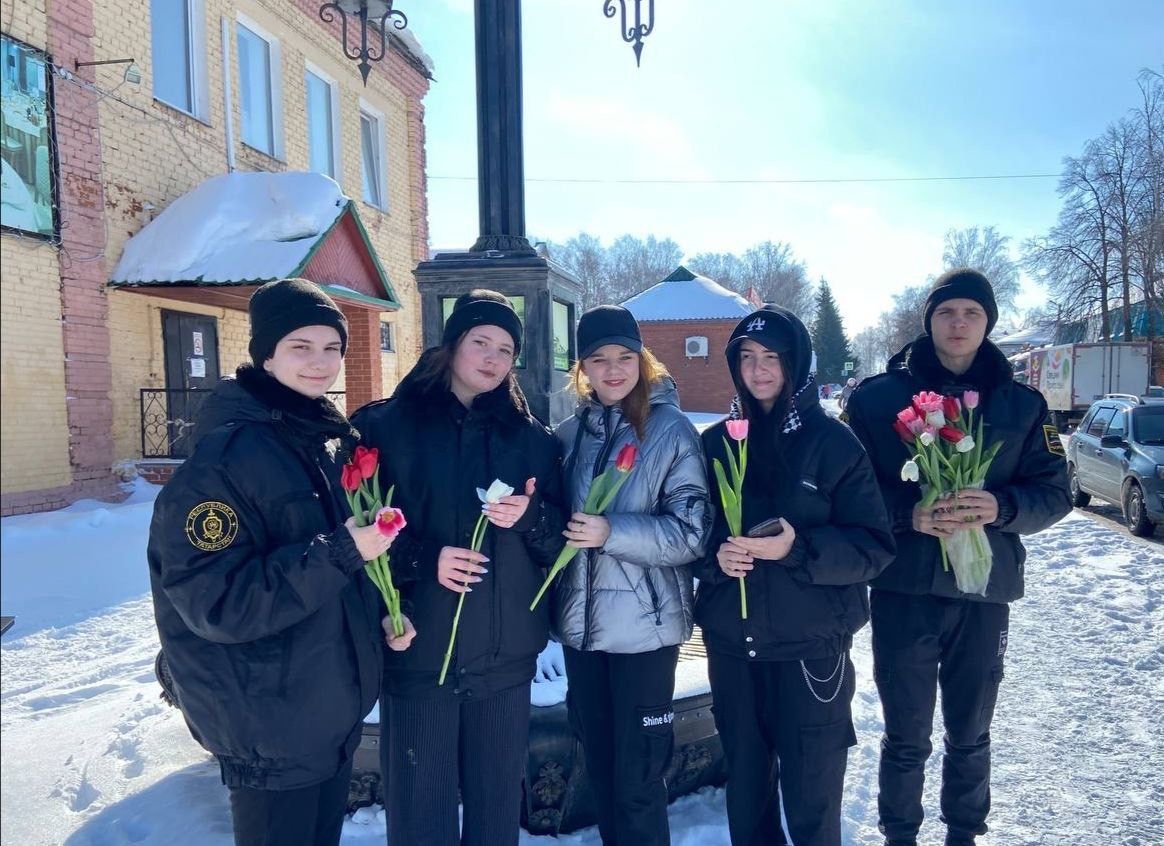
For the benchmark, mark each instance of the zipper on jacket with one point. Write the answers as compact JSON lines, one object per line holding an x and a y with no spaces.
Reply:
{"x":654,"y":598}
{"x":599,"y":462}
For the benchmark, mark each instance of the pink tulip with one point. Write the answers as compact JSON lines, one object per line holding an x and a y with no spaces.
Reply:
{"x":390,"y":521}
{"x":737,"y":429}
{"x":970,"y":399}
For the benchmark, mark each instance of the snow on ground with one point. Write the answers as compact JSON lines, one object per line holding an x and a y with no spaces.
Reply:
{"x":92,"y":757}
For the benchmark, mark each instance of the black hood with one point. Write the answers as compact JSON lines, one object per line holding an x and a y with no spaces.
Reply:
{"x":781,"y":331}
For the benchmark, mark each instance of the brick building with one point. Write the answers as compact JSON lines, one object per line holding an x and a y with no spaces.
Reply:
{"x":686,"y":321}
{"x":93,"y":154}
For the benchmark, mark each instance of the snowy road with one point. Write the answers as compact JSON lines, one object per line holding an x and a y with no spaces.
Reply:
{"x":91,"y":756}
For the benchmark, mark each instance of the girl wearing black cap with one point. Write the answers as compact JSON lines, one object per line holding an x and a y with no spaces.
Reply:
{"x":781,"y":679}
{"x":624,"y":604}
{"x":267,"y":620}
{"x":457,"y":422}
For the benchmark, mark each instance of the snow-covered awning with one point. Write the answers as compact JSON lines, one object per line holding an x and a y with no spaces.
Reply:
{"x":687,"y":296}
{"x":233,"y":232}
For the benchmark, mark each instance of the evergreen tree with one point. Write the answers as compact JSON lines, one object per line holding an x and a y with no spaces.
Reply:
{"x":828,"y":339}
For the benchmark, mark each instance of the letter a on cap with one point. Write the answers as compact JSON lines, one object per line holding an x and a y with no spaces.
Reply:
{"x":756,"y":325}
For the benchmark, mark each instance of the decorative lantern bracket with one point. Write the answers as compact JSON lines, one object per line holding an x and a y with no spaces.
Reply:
{"x":633,"y":34}
{"x":374,"y":13}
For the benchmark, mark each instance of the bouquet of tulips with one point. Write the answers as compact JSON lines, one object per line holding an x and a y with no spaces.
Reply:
{"x":946,"y":452}
{"x":731,"y":495}
{"x":365,"y":500}
{"x":602,"y":491}
{"x":496,"y":491}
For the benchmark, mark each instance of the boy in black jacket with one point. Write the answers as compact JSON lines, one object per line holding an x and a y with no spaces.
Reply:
{"x":926,"y":632}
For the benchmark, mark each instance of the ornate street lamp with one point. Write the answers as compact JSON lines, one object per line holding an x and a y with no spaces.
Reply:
{"x":633,"y":34}
{"x":374,"y":13}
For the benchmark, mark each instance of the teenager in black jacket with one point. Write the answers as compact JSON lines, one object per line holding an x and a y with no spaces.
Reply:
{"x":781,"y":679}
{"x":457,"y":422}
{"x":926,"y":633}
{"x":269,"y":624}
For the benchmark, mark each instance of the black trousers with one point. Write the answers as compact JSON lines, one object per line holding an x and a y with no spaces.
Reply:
{"x":436,"y":745}
{"x":621,"y":707}
{"x":307,"y":816}
{"x":784,"y":734}
{"x":921,"y":643}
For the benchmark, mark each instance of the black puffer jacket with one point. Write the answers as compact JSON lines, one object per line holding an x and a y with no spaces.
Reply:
{"x":437,"y":453}
{"x":809,"y":604}
{"x":269,"y":624}
{"x":1028,"y":476}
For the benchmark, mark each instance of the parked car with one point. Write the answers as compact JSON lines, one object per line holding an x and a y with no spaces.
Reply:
{"x":1117,"y":455}
{"x":1155,"y":392}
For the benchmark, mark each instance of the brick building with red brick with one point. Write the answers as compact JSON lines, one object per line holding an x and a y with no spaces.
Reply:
{"x":686,"y":320}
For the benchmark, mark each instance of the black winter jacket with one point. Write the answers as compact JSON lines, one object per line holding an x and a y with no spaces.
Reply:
{"x":809,"y":604}
{"x":268,"y":621}
{"x":1028,"y":476}
{"x":437,"y":453}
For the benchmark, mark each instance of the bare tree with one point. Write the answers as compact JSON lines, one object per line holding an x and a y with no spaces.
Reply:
{"x":635,"y":265}
{"x":870,"y":346}
{"x":780,"y":278}
{"x":987,"y":251}
{"x":725,"y":268}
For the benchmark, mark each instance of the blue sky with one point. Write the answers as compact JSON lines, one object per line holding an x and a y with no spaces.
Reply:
{"x":792,"y":89}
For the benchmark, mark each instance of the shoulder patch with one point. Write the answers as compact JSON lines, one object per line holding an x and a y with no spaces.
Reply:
{"x":211,"y":526}
{"x":1051,"y":436}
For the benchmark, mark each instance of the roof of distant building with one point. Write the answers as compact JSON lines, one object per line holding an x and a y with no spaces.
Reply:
{"x":687,"y":296}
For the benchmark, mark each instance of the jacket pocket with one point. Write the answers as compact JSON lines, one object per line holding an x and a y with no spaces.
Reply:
{"x":266,"y":665}
{"x":656,"y":740}
{"x":824,"y":751}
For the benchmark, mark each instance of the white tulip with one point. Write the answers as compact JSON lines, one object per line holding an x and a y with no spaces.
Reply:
{"x":926,"y":438}
{"x":496,"y":491}
{"x":965,"y":445}
{"x":910,"y":471}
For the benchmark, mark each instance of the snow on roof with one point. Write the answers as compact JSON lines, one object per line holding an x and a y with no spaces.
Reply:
{"x":1035,"y":335}
{"x":687,"y":296}
{"x":412,"y":44}
{"x":234,"y":228}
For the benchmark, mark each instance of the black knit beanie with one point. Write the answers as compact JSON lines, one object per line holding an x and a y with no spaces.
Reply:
{"x":962,"y":283}
{"x":279,"y":308}
{"x":480,"y":308}
{"x":607,"y":324}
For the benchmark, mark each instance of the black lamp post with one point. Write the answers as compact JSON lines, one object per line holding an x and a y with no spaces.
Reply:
{"x":374,"y":13}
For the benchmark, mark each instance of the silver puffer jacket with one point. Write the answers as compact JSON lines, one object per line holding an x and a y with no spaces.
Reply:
{"x":635,"y":593}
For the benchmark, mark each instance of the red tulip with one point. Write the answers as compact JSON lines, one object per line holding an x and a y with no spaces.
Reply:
{"x":903,"y":432}
{"x":950,"y":434}
{"x":367,"y":460}
{"x":626,"y":458}
{"x":350,"y":478}
{"x":951,"y":408}
{"x":737,"y":429}
{"x":390,"y":521}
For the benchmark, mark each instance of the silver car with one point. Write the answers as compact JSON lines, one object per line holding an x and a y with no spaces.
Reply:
{"x":1117,"y":454}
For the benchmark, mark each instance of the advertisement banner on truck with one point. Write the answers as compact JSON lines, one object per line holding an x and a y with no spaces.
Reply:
{"x":1055,"y":377}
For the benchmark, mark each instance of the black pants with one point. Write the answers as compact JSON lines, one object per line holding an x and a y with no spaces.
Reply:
{"x":308,"y":816}
{"x":621,"y":707}
{"x":780,"y":738}
{"x":919,"y":644}
{"x":433,"y":746}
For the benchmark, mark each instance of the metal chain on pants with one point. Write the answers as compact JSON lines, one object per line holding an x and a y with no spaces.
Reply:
{"x":809,"y":678}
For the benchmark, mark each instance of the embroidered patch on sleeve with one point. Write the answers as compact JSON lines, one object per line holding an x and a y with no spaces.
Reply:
{"x":211,"y":526}
{"x":1051,"y":436}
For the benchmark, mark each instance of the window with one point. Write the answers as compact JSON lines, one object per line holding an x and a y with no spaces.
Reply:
{"x":259,"y":89}
{"x":322,"y":124}
{"x":1119,"y":424}
{"x":387,"y":342}
{"x":518,"y":303}
{"x":372,"y":156}
{"x":1099,"y":421}
{"x":563,"y":321}
{"x":26,"y":128}
{"x":178,"y":46}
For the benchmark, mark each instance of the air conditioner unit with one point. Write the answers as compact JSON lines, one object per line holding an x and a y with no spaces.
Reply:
{"x":696,"y":347}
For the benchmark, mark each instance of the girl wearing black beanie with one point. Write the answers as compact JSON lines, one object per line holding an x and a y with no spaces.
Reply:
{"x":457,"y":422}
{"x":268,"y":623}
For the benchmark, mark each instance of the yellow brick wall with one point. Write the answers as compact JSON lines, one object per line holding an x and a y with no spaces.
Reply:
{"x":153,"y":154}
{"x":34,"y":426}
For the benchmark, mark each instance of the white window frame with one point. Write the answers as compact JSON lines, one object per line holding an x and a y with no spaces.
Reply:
{"x":199,"y":82}
{"x":367,"y":109}
{"x":336,"y":130}
{"x":276,"y":83}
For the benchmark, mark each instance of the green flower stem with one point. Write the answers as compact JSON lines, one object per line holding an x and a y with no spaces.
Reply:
{"x":478,"y":537}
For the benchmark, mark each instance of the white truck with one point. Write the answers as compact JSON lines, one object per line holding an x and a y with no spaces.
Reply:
{"x":1073,"y":376}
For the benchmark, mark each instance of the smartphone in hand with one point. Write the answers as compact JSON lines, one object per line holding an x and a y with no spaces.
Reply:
{"x":767,"y":529}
